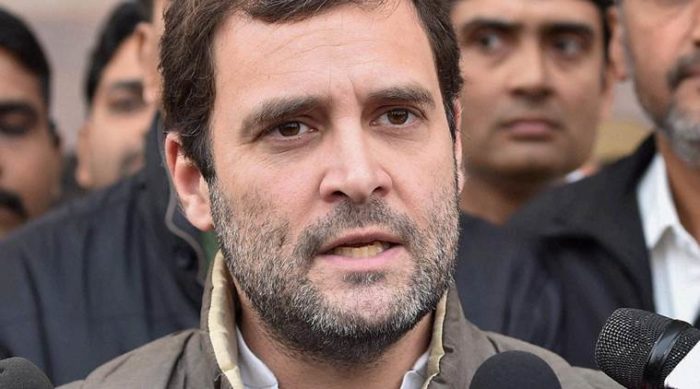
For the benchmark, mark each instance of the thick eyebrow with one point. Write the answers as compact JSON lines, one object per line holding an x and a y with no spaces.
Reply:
{"x":134,"y":86}
{"x":576,"y":28}
{"x":511,"y":27}
{"x":276,"y":110}
{"x":412,"y":94}
{"x":491,"y":23}
{"x":19,"y":107}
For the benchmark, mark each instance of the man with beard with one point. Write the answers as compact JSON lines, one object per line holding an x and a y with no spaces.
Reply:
{"x":30,"y":152}
{"x":319,"y":139}
{"x":629,"y":236}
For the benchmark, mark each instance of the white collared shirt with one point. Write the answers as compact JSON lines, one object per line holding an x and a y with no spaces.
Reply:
{"x":255,"y":375}
{"x":674,"y":253}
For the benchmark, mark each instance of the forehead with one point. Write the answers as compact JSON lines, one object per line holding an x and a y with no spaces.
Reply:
{"x":125,"y":64}
{"x":345,"y":49}
{"x":17,"y":84}
{"x":528,"y":12}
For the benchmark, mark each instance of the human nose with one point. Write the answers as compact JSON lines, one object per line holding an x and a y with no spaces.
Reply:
{"x":530,"y":76}
{"x":355,"y":171}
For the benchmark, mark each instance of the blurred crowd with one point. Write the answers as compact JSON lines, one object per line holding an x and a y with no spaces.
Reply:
{"x":105,"y":248}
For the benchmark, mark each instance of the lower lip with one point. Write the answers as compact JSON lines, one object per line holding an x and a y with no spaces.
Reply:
{"x":375,"y":263}
{"x":530,"y":130}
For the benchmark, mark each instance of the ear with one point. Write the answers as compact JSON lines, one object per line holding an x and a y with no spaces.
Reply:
{"x":148,"y":58}
{"x":457,"y":107}
{"x":616,"y":51}
{"x":191,"y":187}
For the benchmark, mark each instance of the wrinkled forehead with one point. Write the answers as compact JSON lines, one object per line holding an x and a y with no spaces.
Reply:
{"x":346,"y":46}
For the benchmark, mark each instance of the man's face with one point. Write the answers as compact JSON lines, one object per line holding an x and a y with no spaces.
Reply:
{"x":30,"y":161}
{"x":119,"y":117}
{"x":535,"y":85}
{"x":662,"y":39}
{"x":336,"y":190}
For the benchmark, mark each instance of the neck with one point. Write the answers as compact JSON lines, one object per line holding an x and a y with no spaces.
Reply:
{"x":496,"y":200}
{"x":684,"y":181}
{"x":293,"y":370}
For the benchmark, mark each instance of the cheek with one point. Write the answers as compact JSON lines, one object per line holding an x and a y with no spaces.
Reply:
{"x":417,"y":179}
{"x":284,"y":193}
{"x":35,"y":172}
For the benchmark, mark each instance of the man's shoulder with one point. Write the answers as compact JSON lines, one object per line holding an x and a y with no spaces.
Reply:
{"x":567,"y":197}
{"x":48,"y":257}
{"x":591,"y":196}
{"x":70,"y":225}
{"x":183,"y":359}
{"x":569,"y":376}
{"x":493,"y":264}
{"x":581,"y":199}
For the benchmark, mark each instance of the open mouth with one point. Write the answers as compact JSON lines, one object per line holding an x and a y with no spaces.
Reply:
{"x":362,"y":250}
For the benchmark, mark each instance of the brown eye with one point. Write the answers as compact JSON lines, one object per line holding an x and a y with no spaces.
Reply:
{"x":398,"y":117}
{"x":290,"y":129}
{"x":569,"y":46}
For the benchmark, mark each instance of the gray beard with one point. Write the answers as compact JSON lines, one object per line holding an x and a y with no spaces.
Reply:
{"x":294,"y":312}
{"x":681,"y":130}
{"x":683,"y":134}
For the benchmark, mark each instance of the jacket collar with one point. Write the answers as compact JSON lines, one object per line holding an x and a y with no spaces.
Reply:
{"x":162,"y":202}
{"x":457,"y":348}
{"x":609,"y":199}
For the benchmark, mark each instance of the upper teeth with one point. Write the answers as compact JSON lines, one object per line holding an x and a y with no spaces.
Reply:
{"x":369,"y":250}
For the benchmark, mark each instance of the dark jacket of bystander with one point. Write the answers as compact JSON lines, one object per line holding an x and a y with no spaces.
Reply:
{"x":101,"y":275}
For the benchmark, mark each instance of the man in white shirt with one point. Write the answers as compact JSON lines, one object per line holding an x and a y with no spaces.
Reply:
{"x":629,"y":236}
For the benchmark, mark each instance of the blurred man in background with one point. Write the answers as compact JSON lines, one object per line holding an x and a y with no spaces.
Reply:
{"x":108,"y":272}
{"x":628,"y":237}
{"x":538,"y":80}
{"x":30,"y":152}
{"x":111,"y":141}
{"x":537,"y":84}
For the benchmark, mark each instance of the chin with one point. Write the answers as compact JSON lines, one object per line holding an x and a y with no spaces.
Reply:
{"x":368,"y":302}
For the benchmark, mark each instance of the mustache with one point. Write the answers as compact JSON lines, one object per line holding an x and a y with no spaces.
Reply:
{"x":13,"y":202}
{"x":347,"y":216}
{"x":686,"y":66}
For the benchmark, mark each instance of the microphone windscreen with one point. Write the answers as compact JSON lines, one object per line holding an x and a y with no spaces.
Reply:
{"x":19,"y":373}
{"x":515,"y":369}
{"x":626,"y":341}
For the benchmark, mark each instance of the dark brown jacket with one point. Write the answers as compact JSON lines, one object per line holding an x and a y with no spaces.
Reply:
{"x":207,"y":357}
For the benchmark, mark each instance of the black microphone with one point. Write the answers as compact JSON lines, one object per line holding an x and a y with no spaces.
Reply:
{"x":515,"y":370}
{"x":19,"y":373}
{"x":640,"y":349}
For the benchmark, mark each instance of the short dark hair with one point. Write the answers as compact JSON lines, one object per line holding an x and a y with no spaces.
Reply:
{"x":121,"y":23}
{"x":18,"y":39}
{"x":188,"y":69}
